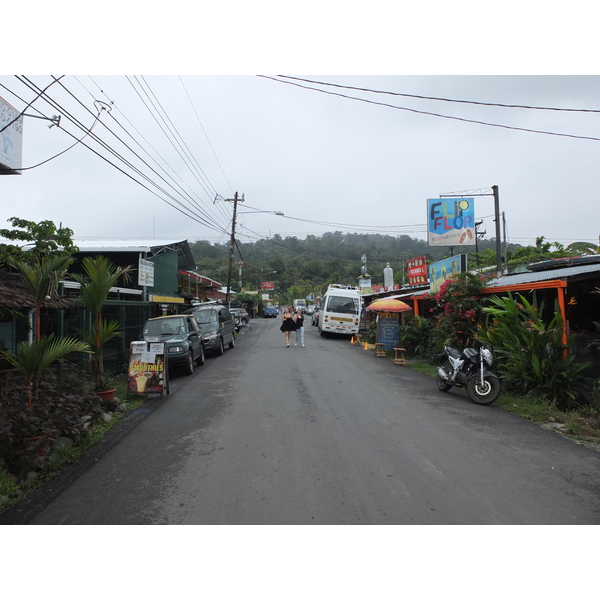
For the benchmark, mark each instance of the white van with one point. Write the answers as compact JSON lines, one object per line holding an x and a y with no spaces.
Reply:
{"x":340,"y":310}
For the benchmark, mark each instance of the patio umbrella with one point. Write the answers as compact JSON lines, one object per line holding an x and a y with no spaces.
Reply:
{"x":388,"y":305}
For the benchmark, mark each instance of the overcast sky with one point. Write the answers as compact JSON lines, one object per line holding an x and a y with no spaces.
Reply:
{"x":327,"y":162}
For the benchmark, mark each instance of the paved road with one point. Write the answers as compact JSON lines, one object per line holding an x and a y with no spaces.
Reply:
{"x":327,"y":434}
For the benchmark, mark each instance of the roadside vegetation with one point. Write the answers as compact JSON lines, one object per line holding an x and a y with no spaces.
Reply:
{"x":67,"y":419}
{"x":541,"y":381}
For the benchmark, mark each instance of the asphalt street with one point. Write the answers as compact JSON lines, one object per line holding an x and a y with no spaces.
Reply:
{"x":327,"y":434}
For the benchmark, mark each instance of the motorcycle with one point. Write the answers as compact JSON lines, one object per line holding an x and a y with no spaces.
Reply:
{"x":469,"y":370}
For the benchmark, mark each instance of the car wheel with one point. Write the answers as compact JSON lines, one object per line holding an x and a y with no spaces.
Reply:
{"x":237,"y":321}
{"x":221,"y":347}
{"x":189,"y":365}
{"x":232,"y":342}
{"x":200,"y":359}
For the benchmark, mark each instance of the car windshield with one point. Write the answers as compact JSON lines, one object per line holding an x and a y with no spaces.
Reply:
{"x":204,"y":316}
{"x":170,"y":326}
{"x":342,"y":304}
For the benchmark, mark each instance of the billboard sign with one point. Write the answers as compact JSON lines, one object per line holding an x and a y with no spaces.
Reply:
{"x":11,"y":139}
{"x":451,"y":221}
{"x":267,"y":285}
{"x":445,"y":269}
{"x":417,"y":270}
{"x":146,"y":273}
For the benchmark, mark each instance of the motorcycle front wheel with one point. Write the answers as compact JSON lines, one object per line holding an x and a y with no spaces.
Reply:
{"x":485,"y":393}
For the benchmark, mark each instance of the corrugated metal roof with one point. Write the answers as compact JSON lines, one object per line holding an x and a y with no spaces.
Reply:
{"x":144,"y":245}
{"x":532,"y":277}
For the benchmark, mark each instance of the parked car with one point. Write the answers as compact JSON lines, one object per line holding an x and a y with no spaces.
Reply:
{"x":271,"y":311}
{"x":310,"y":309}
{"x":240,"y":317}
{"x":183,"y":339}
{"x":217,"y":325}
{"x":315,"y":318}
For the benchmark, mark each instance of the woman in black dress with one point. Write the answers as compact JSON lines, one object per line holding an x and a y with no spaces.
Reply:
{"x":287,"y":324}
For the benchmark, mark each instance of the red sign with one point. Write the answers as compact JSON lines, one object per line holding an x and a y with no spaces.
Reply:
{"x":417,"y":271}
{"x":267,"y":285}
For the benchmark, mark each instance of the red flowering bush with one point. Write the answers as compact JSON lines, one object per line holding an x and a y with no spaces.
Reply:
{"x":458,"y":309}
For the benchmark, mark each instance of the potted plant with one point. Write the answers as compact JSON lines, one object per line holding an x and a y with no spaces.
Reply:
{"x":100,"y":276}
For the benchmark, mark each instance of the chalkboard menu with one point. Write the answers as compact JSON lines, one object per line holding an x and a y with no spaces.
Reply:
{"x":387,"y":329}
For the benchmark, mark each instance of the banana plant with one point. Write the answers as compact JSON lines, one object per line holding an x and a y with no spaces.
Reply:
{"x":34,"y":358}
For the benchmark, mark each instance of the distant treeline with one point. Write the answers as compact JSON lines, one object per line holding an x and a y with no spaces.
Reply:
{"x":320,"y":259}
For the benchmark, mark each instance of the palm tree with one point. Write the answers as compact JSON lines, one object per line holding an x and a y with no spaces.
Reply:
{"x":41,"y":277}
{"x":586,"y":248}
{"x":100,"y":276}
{"x":32,"y":359}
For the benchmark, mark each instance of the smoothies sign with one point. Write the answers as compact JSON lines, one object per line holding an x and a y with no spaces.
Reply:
{"x":451,"y":222}
{"x":147,"y":373}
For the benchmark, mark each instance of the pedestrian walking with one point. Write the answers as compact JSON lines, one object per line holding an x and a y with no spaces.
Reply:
{"x":299,"y":328}
{"x":287,"y":324}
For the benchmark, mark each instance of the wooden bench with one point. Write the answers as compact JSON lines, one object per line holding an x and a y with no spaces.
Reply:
{"x":379,"y":349}
{"x":399,"y":356}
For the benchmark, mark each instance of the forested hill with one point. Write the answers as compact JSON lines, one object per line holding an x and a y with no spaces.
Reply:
{"x":320,"y":259}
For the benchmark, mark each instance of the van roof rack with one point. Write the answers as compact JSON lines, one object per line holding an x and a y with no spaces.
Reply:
{"x":339,"y":286}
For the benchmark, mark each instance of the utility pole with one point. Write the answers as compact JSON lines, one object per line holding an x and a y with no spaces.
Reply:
{"x":498,"y":240}
{"x":235,"y":200}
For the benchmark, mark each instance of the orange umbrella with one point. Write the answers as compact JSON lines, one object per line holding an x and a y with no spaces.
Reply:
{"x":388,"y":305}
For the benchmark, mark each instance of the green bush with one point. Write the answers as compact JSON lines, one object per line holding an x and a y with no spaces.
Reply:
{"x":418,"y":337}
{"x":530,"y":352}
{"x":27,"y":435}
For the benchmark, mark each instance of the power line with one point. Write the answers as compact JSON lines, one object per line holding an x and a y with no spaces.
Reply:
{"x":432,"y":114}
{"x":137,"y":155}
{"x":75,"y":121}
{"x":349,"y":87}
{"x":204,"y":130}
{"x":142,"y":147}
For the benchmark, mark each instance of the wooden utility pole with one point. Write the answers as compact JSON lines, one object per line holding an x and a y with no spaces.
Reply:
{"x":235,"y":200}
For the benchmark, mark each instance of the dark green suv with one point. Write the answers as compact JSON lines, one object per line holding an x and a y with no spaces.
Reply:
{"x":183,"y":340}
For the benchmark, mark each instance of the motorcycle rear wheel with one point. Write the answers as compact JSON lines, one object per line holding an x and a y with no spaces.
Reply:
{"x":486,"y":393}
{"x":442,"y":383}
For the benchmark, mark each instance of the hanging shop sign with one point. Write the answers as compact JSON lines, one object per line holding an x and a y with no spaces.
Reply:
{"x":11,"y":139}
{"x":146,"y":272}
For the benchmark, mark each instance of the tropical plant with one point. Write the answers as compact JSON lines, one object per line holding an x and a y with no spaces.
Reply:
{"x":457,"y":310}
{"x":532,"y":357}
{"x":34,"y":358}
{"x":41,"y":277}
{"x":417,"y":336}
{"x":586,"y":248}
{"x":100,"y":276}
